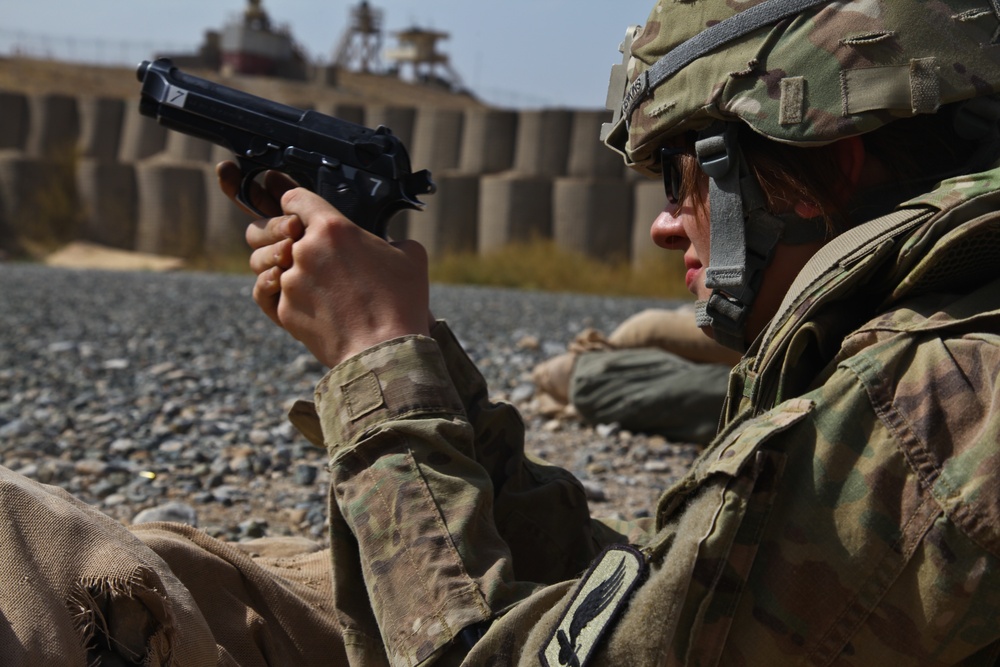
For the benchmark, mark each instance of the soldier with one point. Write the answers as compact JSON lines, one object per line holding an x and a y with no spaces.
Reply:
{"x":830,"y":179}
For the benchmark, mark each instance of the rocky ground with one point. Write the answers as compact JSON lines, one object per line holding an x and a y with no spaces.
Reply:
{"x":165,"y":393}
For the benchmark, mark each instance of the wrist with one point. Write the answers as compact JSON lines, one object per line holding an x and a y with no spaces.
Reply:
{"x":338,"y":354}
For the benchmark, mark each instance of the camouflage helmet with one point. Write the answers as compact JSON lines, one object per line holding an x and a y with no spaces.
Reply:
{"x":801,"y":72}
{"x":804,"y":72}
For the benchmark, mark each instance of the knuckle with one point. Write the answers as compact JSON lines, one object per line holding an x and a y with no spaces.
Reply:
{"x":329,"y":227}
{"x":290,"y":197}
{"x":291,"y":281}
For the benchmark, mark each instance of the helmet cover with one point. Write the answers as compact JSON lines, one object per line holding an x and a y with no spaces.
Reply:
{"x":828,"y":71}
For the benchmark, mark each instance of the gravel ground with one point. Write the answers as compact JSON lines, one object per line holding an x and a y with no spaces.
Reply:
{"x":165,"y":394}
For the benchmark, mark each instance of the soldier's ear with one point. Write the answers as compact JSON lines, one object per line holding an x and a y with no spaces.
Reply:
{"x":807,"y":210}
{"x":850,"y":155}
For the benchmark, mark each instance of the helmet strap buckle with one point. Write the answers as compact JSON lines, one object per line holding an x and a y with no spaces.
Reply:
{"x":743,"y":235}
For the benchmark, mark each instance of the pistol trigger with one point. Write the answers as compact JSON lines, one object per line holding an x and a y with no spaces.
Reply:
{"x":243,"y":194}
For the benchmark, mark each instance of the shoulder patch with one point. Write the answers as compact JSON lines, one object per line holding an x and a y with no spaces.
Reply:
{"x":599,"y":600}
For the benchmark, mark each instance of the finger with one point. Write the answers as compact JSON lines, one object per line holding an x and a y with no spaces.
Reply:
{"x":267,"y":293}
{"x":230,"y":178}
{"x":277,"y":183}
{"x":270,"y":231}
{"x":275,"y":255}
{"x":308,"y":206}
{"x":228,"y":175}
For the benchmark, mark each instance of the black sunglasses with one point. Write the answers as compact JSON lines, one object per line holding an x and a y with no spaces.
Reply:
{"x":670,"y":166}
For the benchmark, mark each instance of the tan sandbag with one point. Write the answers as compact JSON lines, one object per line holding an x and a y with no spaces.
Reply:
{"x":673,"y":331}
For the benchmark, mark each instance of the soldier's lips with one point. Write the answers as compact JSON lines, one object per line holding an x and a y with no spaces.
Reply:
{"x":694,"y":269}
{"x":689,"y":279}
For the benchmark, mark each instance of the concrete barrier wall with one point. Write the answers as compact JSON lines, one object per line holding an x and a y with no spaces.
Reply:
{"x":488,"y":138}
{"x":20,"y":175}
{"x":648,"y":199}
{"x":109,"y":202}
{"x":587,"y":155}
{"x":172,"y":208}
{"x":352,"y":113}
{"x":142,"y":137}
{"x":400,"y":120}
{"x":225,"y":224}
{"x":504,"y":176}
{"x":184,"y":147}
{"x":14,"y":112}
{"x":38,"y":199}
{"x":542,"y":147}
{"x":437,"y":138}
{"x":448,"y":223}
{"x":513,"y":208}
{"x":101,"y":128}
{"x":53,"y":125}
{"x":581,"y":210}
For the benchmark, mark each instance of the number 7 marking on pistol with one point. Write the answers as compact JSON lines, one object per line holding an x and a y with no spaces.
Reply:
{"x":176,"y":97}
{"x":376,"y":183}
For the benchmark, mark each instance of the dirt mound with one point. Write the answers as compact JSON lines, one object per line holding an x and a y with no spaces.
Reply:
{"x":82,"y":255}
{"x":49,"y":76}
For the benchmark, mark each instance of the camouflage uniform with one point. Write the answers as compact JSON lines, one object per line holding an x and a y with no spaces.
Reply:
{"x":847,"y":513}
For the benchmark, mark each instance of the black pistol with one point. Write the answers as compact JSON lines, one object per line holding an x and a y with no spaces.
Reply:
{"x":364,"y":173}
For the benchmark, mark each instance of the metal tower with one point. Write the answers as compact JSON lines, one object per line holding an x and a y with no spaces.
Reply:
{"x":362,"y":41}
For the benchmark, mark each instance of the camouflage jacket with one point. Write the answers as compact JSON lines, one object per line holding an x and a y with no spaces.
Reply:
{"x":847,"y":514}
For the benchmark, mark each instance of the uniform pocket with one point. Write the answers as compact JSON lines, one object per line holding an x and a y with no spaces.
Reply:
{"x":711,"y":525}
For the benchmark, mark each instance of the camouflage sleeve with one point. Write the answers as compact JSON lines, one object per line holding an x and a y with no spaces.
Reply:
{"x":412,"y":509}
{"x":538,"y":508}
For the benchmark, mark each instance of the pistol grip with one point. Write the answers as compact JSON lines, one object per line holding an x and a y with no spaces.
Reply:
{"x":332,"y":186}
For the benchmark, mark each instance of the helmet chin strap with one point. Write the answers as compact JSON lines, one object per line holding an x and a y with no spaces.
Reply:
{"x":743,"y":236}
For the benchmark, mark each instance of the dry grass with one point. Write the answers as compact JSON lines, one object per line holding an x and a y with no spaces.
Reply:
{"x":539,"y":265}
{"x":543,"y":266}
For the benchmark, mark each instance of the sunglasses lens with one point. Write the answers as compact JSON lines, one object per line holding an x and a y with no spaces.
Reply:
{"x":671,"y":174}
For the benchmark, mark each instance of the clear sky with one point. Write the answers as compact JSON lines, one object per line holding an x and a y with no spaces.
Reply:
{"x":513,"y":53}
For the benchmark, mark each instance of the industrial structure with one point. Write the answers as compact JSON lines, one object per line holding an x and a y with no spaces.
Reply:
{"x":252,"y":44}
{"x":249,"y":44}
{"x":360,"y":46}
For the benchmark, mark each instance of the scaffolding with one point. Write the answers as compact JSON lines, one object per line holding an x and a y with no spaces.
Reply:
{"x":361,"y":43}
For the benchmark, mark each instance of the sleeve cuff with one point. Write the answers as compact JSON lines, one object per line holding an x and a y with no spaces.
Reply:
{"x":399,"y":378}
{"x":464,"y":374}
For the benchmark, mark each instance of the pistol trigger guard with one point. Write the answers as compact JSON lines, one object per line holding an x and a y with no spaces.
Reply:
{"x":243,"y":194}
